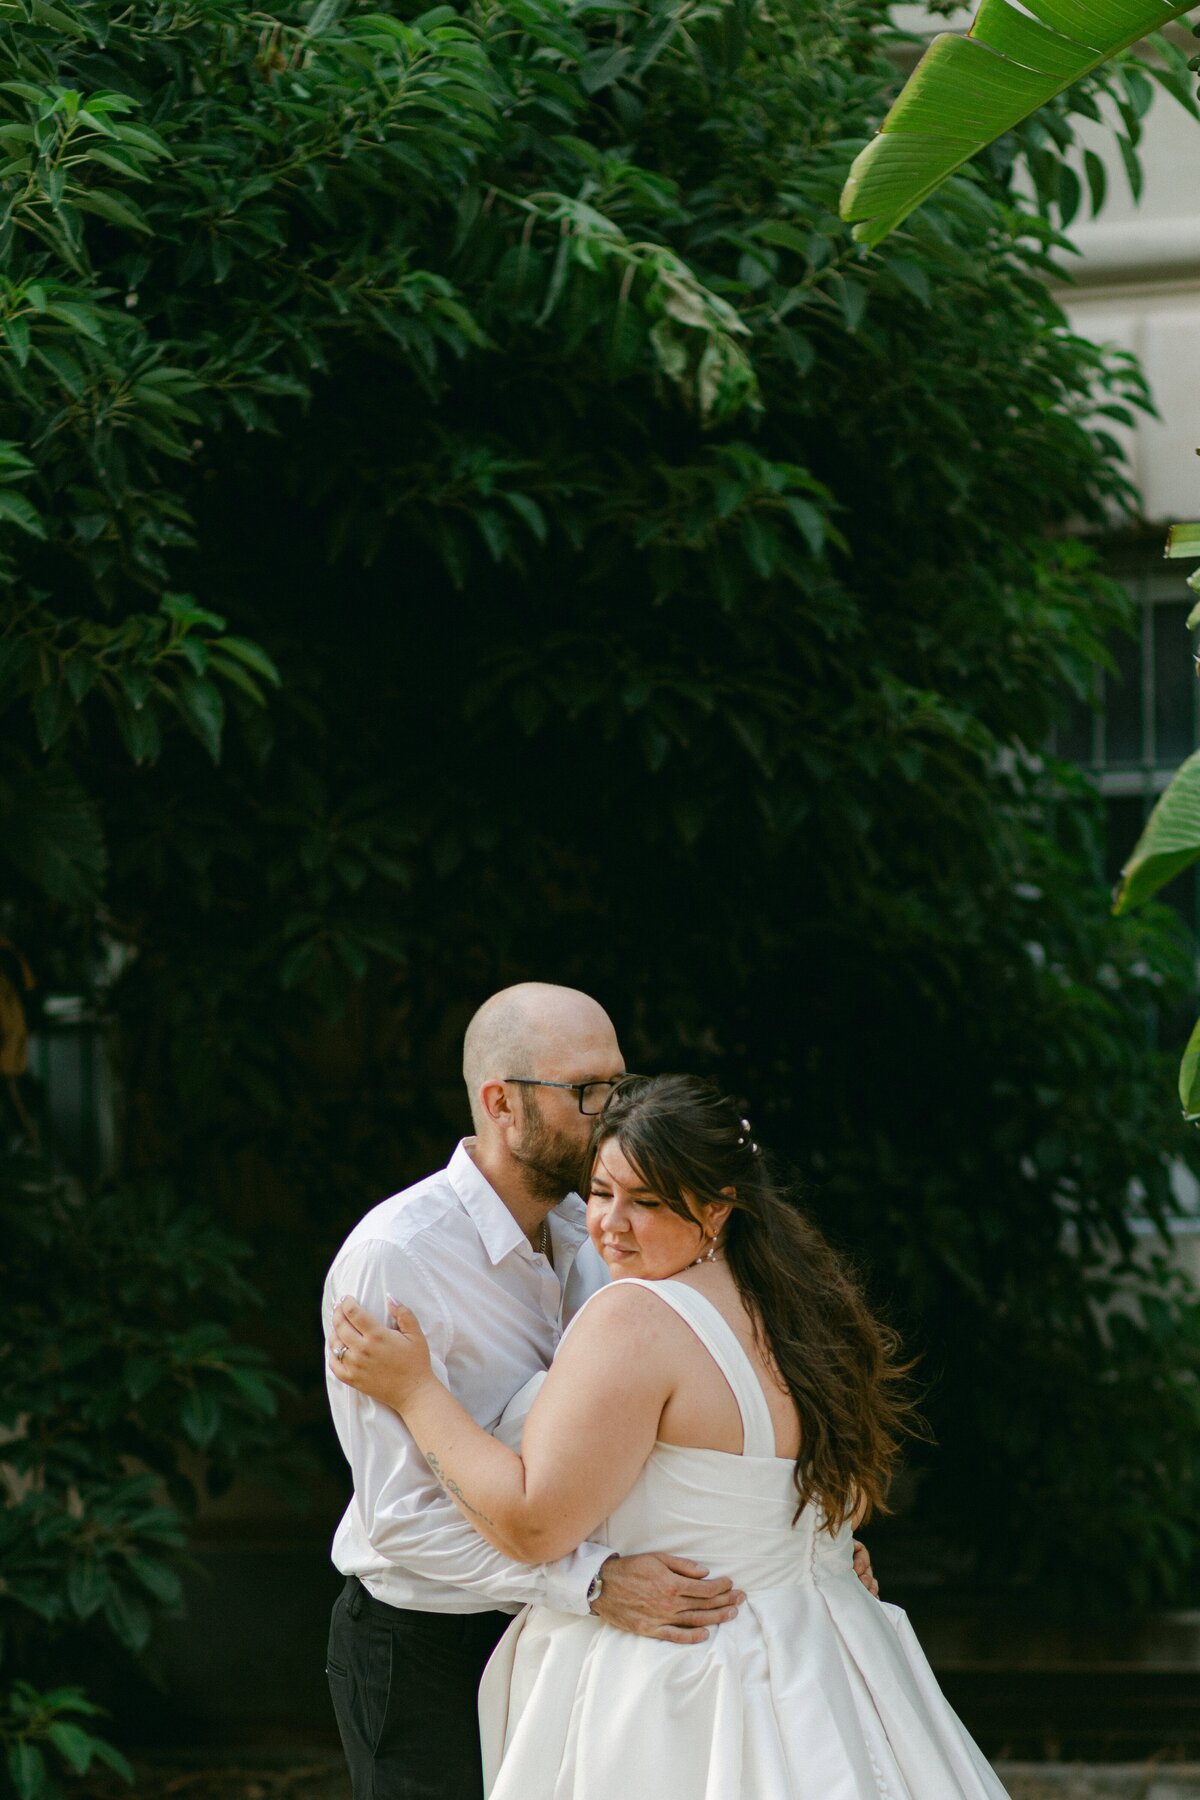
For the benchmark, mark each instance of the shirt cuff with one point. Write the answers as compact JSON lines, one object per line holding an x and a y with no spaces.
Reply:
{"x":568,"y":1581}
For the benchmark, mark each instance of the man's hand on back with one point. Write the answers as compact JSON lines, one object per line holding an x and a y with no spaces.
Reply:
{"x":669,"y":1597}
{"x":863,"y":1569}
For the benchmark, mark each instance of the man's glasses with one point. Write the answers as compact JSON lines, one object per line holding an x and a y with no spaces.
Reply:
{"x":592,"y":1094}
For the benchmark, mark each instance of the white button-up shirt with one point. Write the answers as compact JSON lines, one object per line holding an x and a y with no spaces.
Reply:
{"x":493,"y":1311}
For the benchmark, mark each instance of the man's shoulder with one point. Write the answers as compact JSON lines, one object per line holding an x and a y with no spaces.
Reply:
{"x":404,"y":1219}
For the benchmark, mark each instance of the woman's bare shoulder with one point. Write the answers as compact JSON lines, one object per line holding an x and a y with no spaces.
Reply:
{"x":625,"y":1309}
{"x":622,"y":1334}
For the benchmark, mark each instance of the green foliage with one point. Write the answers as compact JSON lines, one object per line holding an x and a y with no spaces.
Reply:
{"x":44,"y":1734}
{"x":114,"y":1382}
{"x":667,"y":597}
{"x":967,"y":91}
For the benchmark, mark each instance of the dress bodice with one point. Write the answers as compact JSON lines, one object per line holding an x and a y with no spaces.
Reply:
{"x":815,"y":1691}
{"x":731,"y":1512}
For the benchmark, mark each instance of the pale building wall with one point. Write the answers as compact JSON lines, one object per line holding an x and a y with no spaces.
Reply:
{"x":1137,"y":283}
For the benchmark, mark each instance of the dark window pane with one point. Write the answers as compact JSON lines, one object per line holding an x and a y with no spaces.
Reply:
{"x":1124,"y":817}
{"x":1074,"y":736}
{"x":1123,"y":703}
{"x":1174,"y":685}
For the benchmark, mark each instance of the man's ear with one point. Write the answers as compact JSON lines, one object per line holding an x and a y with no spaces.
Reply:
{"x":493,"y":1098}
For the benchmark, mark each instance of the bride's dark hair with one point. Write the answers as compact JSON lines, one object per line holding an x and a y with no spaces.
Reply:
{"x":840,"y":1364}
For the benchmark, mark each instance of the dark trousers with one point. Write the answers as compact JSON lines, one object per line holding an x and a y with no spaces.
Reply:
{"x":404,"y":1688}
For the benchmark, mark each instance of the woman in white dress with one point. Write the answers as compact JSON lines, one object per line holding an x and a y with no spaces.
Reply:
{"x":731,"y":1396}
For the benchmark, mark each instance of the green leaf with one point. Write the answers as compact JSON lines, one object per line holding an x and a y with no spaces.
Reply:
{"x":45,"y":14}
{"x":75,"y":1745}
{"x":851,"y":297}
{"x":253,"y":655}
{"x":233,"y":672}
{"x":81,"y":673}
{"x":529,"y":510}
{"x":250,"y":1383}
{"x":914,"y":276}
{"x":200,"y":1417}
{"x":129,"y":1618}
{"x":1189,"y":1077}
{"x":137,"y":682}
{"x":967,"y":91}
{"x":1097,"y":179}
{"x":27,"y":1771}
{"x":20,"y":512}
{"x":1170,"y":841}
{"x":16,"y":336}
{"x":158,"y":1578}
{"x":492,"y":530}
{"x":87,"y":1587}
{"x":203,"y":708}
{"x":84,"y":319}
{"x":52,"y":710}
{"x":117,"y":212}
{"x":52,"y":834}
{"x":184,"y":610}
{"x":809,"y":522}
{"x":20,"y":669}
{"x":25,"y":90}
{"x":140,"y":732}
{"x":787,"y":237}
{"x":1183,"y":541}
{"x":10,"y":456}
{"x":120,"y":1765}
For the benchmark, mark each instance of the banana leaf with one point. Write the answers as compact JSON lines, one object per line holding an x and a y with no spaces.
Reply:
{"x":1189,"y":1078}
{"x":966,"y":91}
{"x":1169,"y":843}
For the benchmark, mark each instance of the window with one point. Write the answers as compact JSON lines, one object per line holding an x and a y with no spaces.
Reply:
{"x":1146,"y":722}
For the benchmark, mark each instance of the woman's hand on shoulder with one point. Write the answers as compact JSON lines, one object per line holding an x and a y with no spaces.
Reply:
{"x":388,"y":1362}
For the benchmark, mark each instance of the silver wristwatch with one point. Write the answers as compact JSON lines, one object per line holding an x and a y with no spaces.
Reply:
{"x":595,"y":1589}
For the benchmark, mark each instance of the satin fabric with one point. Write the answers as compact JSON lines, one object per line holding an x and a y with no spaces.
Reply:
{"x":817,"y":1691}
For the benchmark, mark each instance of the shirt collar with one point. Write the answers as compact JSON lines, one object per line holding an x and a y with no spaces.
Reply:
{"x":496,"y":1226}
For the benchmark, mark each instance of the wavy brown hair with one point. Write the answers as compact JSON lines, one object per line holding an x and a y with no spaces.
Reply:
{"x":840,"y":1363}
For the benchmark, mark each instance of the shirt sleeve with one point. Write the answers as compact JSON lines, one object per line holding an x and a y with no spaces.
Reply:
{"x":403,"y":1510}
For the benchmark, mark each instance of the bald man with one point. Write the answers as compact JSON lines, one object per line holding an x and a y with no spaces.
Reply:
{"x":492,"y":1255}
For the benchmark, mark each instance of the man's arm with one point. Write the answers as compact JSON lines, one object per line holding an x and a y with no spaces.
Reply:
{"x":404,"y":1512}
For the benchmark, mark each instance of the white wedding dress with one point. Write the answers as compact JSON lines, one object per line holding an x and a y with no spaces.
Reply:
{"x":816,"y":1691}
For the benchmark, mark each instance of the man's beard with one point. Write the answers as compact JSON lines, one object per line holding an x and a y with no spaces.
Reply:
{"x":554,"y":1165}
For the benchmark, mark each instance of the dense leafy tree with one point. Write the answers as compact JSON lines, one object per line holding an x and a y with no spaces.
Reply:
{"x":661,"y":593}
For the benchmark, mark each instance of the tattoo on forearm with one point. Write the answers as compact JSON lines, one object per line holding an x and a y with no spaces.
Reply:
{"x":453,"y":1488}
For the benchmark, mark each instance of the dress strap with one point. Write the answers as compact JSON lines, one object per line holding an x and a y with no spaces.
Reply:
{"x":720,"y":1340}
